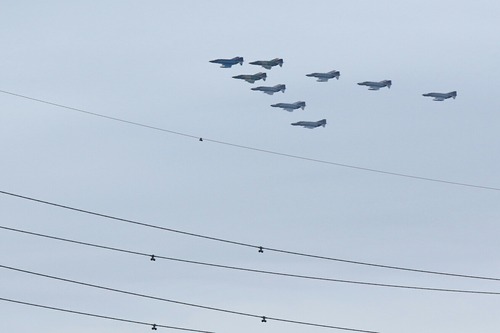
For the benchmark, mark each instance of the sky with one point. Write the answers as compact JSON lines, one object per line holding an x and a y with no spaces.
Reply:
{"x":148,"y":62}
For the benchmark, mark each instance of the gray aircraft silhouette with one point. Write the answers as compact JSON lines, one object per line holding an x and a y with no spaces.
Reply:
{"x":251,"y":78}
{"x":310,"y":124}
{"x":271,"y":90}
{"x":268,"y":64}
{"x":227,"y":63}
{"x":290,"y":106}
{"x":376,"y":85}
{"x":324,"y":77}
{"x":441,"y":96}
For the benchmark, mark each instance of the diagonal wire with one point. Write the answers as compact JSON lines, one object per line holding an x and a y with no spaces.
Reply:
{"x":154,"y":326}
{"x":389,"y":173}
{"x":126,"y":220}
{"x":307,"y":277}
{"x":260,"y":248}
{"x":179,"y":302}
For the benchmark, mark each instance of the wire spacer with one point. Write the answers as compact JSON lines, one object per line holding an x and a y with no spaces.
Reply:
{"x":154,"y":327}
{"x":201,"y":139}
{"x":264,"y":319}
{"x":153,"y":258}
{"x":261,"y":249}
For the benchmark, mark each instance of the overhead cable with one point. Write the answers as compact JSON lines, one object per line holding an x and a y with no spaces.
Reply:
{"x":153,"y":257}
{"x":258,"y":247}
{"x":204,"y":139}
{"x":179,"y":302}
{"x":153,"y":326}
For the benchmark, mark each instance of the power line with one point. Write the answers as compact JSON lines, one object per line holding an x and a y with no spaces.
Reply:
{"x":127,"y":220}
{"x":235,"y":268}
{"x":153,"y":326}
{"x":181,"y":303}
{"x":343,"y":165}
{"x":260,"y":248}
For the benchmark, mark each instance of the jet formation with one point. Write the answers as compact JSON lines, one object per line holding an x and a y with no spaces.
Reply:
{"x":324,"y":77}
{"x":441,"y":96}
{"x":376,"y":85}
{"x":268,"y":64}
{"x":290,"y":107}
{"x":320,"y":76}
{"x":271,"y":90}
{"x":251,"y":78}
{"x":310,"y":124}
{"x":228,"y":63}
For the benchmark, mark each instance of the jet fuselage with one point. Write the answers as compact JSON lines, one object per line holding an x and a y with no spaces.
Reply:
{"x":323,"y":77}
{"x":268,"y":64}
{"x":311,"y":124}
{"x":290,"y":106}
{"x":227,"y":63}
{"x":271,"y":90}
{"x":376,"y":85}
{"x":441,"y":96}
{"x":251,"y":77}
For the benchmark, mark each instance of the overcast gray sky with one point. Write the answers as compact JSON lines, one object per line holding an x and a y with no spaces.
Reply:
{"x":147,"y":62}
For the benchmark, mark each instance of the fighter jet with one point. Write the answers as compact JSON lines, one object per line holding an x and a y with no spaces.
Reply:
{"x":251,"y":78}
{"x":324,"y":77}
{"x":441,"y":96}
{"x":290,"y":107}
{"x":271,"y":90}
{"x":376,"y":85}
{"x":310,"y":124}
{"x":227,"y":63}
{"x":268,"y":64}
